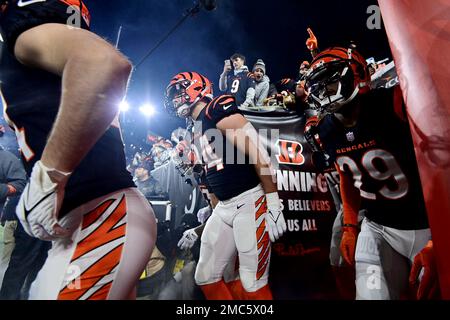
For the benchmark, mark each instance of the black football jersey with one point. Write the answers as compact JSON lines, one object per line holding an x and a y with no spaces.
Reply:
{"x":377,"y":154}
{"x":238,"y":85}
{"x":228,"y":172}
{"x":21,"y":15}
{"x":31,"y":100}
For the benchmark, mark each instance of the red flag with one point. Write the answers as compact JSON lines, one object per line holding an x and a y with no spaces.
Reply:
{"x":419,"y":35}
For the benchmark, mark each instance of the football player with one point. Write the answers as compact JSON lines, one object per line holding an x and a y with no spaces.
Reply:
{"x":366,"y":134}
{"x":249,"y":210}
{"x":61,"y":85}
{"x":186,"y":153}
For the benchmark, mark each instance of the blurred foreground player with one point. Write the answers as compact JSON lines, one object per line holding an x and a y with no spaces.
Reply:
{"x":61,"y":84}
{"x":249,"y":209}
{"x":367,"y":135}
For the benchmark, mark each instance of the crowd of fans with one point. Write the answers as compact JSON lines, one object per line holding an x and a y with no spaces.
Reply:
{"x":254,"y":91}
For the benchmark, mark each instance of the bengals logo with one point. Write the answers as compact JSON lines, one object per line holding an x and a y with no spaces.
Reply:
{"x":290,"y":152}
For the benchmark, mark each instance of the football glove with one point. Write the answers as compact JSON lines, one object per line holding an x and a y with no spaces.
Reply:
{"x":423,"y":276}
{"x":276,"y":225}
{"x":40,"y":202}
{"x":188,"y":239}
{"x":348,"y":244}
{"x":203,"y":214}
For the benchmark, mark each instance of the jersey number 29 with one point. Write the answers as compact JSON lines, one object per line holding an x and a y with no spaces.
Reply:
{"x":392,"y":171}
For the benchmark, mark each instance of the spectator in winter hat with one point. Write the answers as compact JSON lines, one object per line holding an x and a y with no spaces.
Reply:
{"x":262,"y":83}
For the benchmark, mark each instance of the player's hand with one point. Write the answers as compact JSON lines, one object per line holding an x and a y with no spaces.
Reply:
{"x":40,"y":202}
{"x":312,"y":43}
{"x":276,"y":225}
{"x":423,"y":276}
{"x":348,"y":244}
{"x":188,"y":239}
{"x":203,"y":214}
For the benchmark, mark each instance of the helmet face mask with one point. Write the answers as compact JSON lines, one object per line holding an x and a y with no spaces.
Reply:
{"x":330,"y":86}
{"x":177,"y":100}
{"x":184,"y":91}
{"x":336,"y":77}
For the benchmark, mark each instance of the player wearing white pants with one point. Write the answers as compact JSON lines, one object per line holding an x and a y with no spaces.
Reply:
{"x":104,"y":257}
{"x":383,"y":260}
{"x":242,"y":219}
{"x":239,"y":174}
{"x":366,"y":134}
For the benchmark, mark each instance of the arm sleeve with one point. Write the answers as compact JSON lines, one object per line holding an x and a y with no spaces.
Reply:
{"x":223,"y":82}
{"x":249,"y":98}
{"x":351,"y":200}
{"x":15,"y":175}
{"x":264,"y":94}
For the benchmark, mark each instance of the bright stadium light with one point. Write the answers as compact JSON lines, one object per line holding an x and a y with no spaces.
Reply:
{"x":148,"y":110}
{"x":124,"y":106}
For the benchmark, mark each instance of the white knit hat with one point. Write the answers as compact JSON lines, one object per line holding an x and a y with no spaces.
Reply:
{"x":261,"y":65}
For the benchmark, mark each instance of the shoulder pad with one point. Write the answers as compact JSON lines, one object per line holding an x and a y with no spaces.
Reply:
{"x":221,"y":107}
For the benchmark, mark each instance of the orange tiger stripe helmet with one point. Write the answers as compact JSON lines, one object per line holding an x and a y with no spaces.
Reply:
{"x":336,"y":77}
{"x":184,"y":91}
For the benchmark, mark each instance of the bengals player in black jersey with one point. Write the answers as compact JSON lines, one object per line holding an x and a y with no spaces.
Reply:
{"x":367,"y":136}
{"x":61,"y":85}
{"x":248,"y":213}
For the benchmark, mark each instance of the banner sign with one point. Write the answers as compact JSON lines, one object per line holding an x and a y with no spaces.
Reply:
{"x":309,"y":208}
